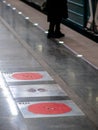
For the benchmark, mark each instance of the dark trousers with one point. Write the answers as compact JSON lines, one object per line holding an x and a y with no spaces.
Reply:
{"x":54,"y":27}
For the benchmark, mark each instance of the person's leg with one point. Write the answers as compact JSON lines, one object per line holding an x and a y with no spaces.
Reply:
{"x":58,"y":33}
{"x":51,"y":30}
{"x":57,"y":27}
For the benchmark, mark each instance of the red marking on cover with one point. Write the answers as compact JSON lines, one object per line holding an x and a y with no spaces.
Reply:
{"x":49,"y":108}
{"x":27,"y":76}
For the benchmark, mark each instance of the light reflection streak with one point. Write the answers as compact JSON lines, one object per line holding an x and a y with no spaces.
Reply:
{"x":11,"y":103}
{"x":3,"y":86}
{"x":12,"y":107}
{"x":96,"y":99}
{"x":40,"y":48}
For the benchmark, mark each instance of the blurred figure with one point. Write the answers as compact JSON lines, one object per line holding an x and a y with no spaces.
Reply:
{"x":92,"y":23}
{"x":96,"y":18}
{"x":56,"y":10}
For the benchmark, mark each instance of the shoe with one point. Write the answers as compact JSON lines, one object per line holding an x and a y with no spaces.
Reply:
{"x":59,"y":35}
{"x":50,"y":35}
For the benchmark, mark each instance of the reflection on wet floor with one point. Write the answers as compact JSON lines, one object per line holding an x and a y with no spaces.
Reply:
{"x":72,"y":69}
{"x":79,"y":75}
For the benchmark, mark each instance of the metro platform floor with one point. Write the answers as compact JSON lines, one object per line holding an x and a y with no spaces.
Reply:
{"x":44,"y":84}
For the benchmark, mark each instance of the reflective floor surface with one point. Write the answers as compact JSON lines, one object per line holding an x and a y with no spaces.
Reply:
{"x":43,"y":85}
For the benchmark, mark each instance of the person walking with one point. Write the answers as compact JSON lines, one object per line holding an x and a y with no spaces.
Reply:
{"x":56,"y":10}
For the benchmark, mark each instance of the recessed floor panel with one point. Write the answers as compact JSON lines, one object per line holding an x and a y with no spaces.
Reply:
{"x":49,"y":109}
{"x":37,"y":90}
{"x":28,"y":76}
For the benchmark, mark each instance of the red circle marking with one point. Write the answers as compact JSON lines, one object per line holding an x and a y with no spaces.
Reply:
{"x":49,"y":108}
{"x":27,"y":76}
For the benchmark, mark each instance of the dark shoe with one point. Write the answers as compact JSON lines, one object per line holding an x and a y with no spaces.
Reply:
{"x":50,"y":35}
{"x":59,"y":35}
